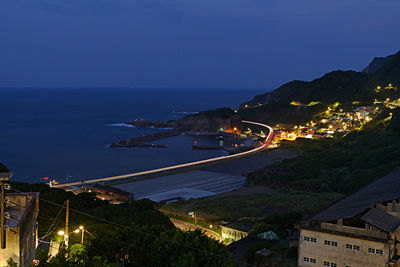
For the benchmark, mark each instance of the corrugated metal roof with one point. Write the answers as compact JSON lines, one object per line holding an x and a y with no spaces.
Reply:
{"x":381,"y":220}
{"x":385,"y":189}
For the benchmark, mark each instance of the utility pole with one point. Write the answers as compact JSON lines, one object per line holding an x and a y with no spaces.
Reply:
{"x":83,"y":233}
{"x":4,"y":177}
{"x":66,"y":224}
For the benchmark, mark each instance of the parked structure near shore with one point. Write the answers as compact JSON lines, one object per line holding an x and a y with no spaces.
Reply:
{"x":112,"y":192}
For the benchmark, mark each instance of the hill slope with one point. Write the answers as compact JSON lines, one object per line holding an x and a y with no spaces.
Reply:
{"x":342,"y":86}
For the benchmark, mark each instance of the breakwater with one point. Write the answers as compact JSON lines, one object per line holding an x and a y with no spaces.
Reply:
{"x":140,"y":141}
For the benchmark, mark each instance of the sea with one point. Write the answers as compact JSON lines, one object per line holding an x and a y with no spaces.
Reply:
{"x":65,"y":133}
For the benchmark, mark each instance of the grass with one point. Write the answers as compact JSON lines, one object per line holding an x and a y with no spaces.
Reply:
{"x":259,"y":205}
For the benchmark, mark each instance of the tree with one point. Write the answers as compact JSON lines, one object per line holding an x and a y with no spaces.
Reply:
{"x":157,"y":246}
{"x":11,"y":263}
{"x":77,"y":255}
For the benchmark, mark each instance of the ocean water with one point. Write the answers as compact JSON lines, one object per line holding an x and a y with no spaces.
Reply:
{"x":64,"y":133}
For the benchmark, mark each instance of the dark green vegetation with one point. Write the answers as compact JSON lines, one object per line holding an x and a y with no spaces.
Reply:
{"x":129,"y":234}
{"x":220,"y":112}
{"x":3,"y":168}
{"x":210,"y":120}
{"x":342,"y":164}
{"x":342,"y":86}
{"x":235,"y":207}
{"x":326,"y":169}
{"x":277,"y":211}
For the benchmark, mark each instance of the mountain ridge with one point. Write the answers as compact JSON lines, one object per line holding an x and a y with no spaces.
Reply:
{"x":342,"y":86}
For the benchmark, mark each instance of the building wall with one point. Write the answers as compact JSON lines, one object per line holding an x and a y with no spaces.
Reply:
{"x":369,"y":230}
{"x":28,"y":236}
{"x":316,"y":250}
{"x":21,"y":240}
{"x":12,"y":249}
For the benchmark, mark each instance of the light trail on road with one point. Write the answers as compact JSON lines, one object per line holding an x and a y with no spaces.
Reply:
{"x":180,"y":166}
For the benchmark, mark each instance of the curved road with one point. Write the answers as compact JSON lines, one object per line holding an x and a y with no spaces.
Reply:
{"x":176,"y":167}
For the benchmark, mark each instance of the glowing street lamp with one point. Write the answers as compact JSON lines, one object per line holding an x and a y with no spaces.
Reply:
{"x":61,"y":232}
{"x":82,"y":229}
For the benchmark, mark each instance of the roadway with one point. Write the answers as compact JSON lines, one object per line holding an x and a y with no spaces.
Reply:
{"x":175,"y":168}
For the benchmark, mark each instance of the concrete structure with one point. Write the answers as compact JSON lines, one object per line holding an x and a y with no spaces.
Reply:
{"x":360,"y":230}
{"x":269,"y":235}
{"x":235,"y":231}
{"x":112,"y":192}
{"x":21,"y":237}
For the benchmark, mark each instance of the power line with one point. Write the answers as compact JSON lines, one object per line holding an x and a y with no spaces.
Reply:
{"x":54,"y":224}
{"x":146,"y":233}
{"x":142,"y":232}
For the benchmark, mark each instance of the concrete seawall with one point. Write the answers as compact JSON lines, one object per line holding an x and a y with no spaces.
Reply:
{"x":138,"y":141}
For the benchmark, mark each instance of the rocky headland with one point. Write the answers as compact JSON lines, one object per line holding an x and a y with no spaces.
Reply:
{"x":206,"y":121}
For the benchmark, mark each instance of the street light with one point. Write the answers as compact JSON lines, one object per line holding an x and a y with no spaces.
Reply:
{"x":82,"y":229}
{"x":76,"y":231}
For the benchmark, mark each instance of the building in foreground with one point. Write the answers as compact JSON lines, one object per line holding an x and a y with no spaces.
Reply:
{"x":21,"y":236}
{"x":360,"y":230}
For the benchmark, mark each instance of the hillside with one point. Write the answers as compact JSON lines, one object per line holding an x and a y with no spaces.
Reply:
{"x":134,"y":233}
{"x":376,"y":64}
{"x":312,"y":97}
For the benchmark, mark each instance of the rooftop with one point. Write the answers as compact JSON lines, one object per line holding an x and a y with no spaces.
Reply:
{"x":381,"y":220}
{"x":385,"y":189}
{"x":238,"y":226}
{"x":17,"y":206}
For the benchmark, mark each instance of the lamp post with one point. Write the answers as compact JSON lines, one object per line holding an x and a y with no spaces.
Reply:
{"x":76,"y":231}
{"x":83,"y":233}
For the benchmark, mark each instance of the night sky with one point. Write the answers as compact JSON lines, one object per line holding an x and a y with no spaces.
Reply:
{"x":189,"y":43}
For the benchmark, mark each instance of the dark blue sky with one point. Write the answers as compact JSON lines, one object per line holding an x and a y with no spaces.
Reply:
{"x":189,"y":43}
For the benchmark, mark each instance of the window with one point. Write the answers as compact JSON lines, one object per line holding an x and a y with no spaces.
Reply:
{"x":311,"y":239}
{"x":330,"y":243}
{"x":309,"y":260}
{"x":349,"y":246}
{"x":371,"y":250}
{"x":378,"y":251}
{"x":333,"y":264}
{"x":326,"y":263}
